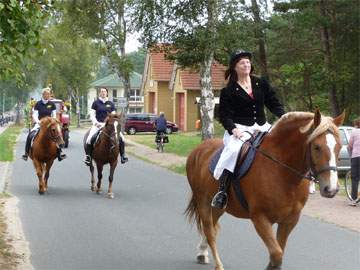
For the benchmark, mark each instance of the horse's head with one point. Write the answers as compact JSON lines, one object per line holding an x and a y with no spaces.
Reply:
{"x":53,"y":130}
{"x":112,"y":125}
{"x":323,"y":150}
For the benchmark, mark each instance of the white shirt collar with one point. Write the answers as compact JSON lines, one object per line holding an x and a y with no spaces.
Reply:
{"x":104,"y":99}
{"x":44,"y":101}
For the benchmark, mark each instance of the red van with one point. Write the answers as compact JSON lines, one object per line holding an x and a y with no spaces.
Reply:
{"x":144,"y":122}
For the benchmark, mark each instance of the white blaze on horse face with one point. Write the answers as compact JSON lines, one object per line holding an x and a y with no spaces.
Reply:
{"x":116,"y":132}
{"x":331,"y":143}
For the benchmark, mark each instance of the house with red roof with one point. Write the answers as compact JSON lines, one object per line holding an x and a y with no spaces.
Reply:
{"x":175,"y":91}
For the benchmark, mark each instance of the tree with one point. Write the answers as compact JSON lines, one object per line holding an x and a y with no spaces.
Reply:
{"x":104,"y":21}
{"x":191,"y":29}
{"x":20,"y":26}
{"x":70,"y":63}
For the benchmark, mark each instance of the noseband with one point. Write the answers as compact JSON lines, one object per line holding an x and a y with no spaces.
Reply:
{"x":51,"y":137}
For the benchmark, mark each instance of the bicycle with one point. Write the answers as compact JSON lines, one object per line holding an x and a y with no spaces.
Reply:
{"x":347,"y":185}
{"x":160,"y":140}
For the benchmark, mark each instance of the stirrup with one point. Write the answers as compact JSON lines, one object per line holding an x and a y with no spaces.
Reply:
{"x":220,"y":200}
{"x":123,"y":159}
{"x":25,"y":157}
{"x":61,"y":157}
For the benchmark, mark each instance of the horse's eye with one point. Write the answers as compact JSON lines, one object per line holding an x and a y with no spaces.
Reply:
{"x":317,"y":147}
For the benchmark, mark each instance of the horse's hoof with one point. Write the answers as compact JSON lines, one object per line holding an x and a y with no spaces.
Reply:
{"x":270,"y":267}
{"x":98,"y":191}
{"x":92,"y":189}
{"x":110,"y":195}
{"x":202,"y":259}
{"x":41,"y":192}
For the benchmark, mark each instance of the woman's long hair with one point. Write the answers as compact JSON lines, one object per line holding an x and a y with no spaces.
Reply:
{"x":230,"y":73}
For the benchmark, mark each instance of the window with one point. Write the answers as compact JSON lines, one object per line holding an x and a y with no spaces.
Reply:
{"x":135,"y":95}
{"x":114,"y":94}
{"x":343,"y":137}
{"x":135,"y":110}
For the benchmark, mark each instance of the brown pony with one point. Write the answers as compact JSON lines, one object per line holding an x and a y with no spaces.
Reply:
{"x":274,"y":193}
{"x":106,"y":150}
{"x":44,"y":149}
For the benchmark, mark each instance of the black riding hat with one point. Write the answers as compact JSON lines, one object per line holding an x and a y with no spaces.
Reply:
{"x":238,"y":54}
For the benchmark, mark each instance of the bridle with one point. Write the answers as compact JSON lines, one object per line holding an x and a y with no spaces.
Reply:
{"x":53,"y":138}
{"x":312,"y":174}
{"x":111,"y":136}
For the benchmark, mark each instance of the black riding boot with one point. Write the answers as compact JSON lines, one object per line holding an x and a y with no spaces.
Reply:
{"x":221,"y":197}
{"x":60,"y":155}
{"x":123,"y":158}
{"x":88,"y":151}
{"x":28,"y":145}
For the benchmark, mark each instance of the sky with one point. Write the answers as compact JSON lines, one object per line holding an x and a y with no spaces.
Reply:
{"x":132,"y":43}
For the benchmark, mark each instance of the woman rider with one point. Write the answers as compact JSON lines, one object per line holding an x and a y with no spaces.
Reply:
{"x":241,"y":112}
{"x":44,"y":107}
{"x":99,"y":110}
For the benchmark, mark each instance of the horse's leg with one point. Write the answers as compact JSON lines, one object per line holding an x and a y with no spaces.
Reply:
{"x":284,"y":229}
{"x":203,"y":254}
{"x":264,"y":230}
{"x":111,"y":176}
{"x":47,"y":172}
{"x":210,"y":229}
{"x":99,"y":167}
{"x":39,"y":172}
{"x":92,"y":177}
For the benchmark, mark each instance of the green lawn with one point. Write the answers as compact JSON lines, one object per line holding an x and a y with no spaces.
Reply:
{"x":179,"y":143}
{"x":7,"y":142}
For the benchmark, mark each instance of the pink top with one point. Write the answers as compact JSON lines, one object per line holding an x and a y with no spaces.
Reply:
{"x":354,"y":143}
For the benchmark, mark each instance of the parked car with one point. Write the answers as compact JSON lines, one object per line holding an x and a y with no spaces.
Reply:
{"x":144,"y":122}
{"x":344,"y":157}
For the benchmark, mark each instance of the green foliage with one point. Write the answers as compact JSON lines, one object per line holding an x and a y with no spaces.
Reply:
{"x":20,"y":26}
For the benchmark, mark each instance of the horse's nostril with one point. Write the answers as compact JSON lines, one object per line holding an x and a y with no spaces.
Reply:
{"x":326,"y":189}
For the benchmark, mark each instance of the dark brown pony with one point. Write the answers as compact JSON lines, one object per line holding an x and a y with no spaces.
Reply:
{"x":44,"y":149}
{"x":274,"y":193}
{"x":106,"y":150}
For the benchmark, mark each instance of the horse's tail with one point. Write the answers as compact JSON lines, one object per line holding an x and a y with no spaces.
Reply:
{"x":192,"y":213}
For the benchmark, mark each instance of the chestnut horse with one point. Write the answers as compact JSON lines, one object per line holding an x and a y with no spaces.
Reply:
{"x":106,"y":150}
{"x":44,"y":149}
{"x":275,"y":190}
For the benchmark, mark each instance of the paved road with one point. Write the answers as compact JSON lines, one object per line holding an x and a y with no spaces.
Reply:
{"x":143,"y":227}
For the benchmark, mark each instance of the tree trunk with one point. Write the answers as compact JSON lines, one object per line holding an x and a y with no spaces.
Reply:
{"x":207,"y":96}
{"x":306,"y":87}
{"x":326,"y":44}
{"x":260,"y":36}
{"x":207,"y":100}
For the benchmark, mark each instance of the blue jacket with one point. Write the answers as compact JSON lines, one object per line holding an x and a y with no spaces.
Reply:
{"x":160,"y":123}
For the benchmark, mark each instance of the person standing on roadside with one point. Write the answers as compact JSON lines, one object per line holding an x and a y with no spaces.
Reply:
{"x":354,"y":151}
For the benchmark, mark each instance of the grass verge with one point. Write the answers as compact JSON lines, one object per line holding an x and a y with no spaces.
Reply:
{"x":7,"y":142}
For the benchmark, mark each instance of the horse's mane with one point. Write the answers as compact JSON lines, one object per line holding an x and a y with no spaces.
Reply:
{"x":44,"y":122}
{"x":304,"y":121}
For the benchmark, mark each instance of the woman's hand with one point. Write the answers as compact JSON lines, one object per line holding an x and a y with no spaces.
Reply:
{"x":237,"y":133}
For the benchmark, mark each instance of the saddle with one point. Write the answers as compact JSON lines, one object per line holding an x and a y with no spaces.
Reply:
{"x":245,"y":158}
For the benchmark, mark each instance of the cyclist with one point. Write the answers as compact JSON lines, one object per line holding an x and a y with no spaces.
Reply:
{"x":160,"y":124}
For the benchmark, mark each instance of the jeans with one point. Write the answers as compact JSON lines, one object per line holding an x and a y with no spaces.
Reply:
{"x":355,"y":177}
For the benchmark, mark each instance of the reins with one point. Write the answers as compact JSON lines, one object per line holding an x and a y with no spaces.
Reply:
{"x":310,"y":175}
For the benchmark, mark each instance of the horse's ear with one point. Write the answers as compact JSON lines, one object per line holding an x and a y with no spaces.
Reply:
{"x":338,"y":121}
{"x":317,"y":118}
